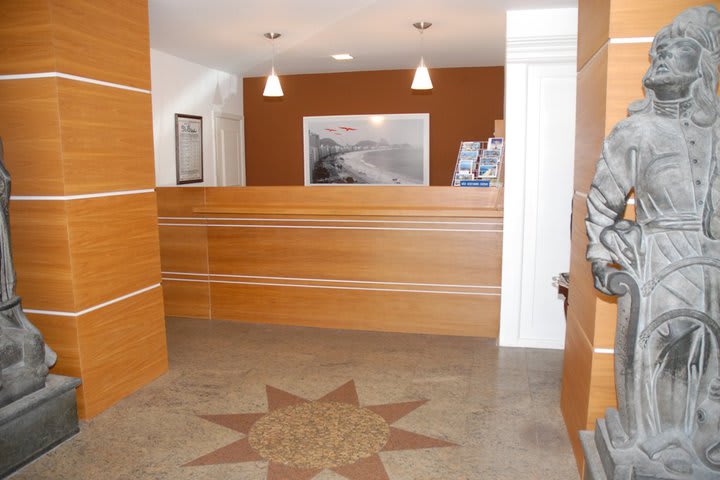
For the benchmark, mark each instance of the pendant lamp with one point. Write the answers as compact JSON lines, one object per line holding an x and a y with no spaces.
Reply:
{"x":272,"y":85}
{"x":422,"y":76}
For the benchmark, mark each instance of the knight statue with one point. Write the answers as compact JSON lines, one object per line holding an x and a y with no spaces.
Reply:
{"x":24,"y":356}
{"x":664,"y":265}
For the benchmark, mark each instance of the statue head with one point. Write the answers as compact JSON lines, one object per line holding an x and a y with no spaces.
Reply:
{"x":684,"y":60}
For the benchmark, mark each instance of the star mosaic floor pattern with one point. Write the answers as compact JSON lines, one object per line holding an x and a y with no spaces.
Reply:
{"x":264,"y":402}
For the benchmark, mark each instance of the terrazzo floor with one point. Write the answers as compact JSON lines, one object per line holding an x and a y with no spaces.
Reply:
{"x":260,"y":402}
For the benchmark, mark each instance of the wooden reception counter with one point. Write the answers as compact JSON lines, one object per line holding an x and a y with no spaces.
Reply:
{"x":399,"y":259}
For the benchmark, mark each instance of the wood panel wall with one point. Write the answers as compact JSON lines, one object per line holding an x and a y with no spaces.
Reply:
{"x":611,"y":65}
{"x":410,"y":259}
{"x":463,"y":105}
{"x":83,"y":210}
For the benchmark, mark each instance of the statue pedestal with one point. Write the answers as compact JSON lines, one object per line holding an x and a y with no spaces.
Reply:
{"x":604,"y":462}
{"x":35,"y":423}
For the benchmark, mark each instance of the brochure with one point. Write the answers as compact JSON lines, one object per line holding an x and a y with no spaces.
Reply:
{"x":478,"y":163}
{"x":495,"y":143}
{"x":470,"y":146}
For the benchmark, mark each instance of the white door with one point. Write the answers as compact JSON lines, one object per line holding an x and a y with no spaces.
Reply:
{"x":228,"y":152}
{"x":540,"y":84}
{"x":548,"y":201}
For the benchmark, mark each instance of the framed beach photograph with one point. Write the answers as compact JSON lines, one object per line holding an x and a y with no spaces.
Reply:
{"x":188,"y":149}
{"x":391,"y":149}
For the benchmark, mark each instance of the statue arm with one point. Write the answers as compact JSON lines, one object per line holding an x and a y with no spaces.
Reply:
{"x":607,"y":199}
{"x":711,"y":214}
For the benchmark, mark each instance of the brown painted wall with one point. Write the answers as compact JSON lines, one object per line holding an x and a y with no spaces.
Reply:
{"x":462,"y":105}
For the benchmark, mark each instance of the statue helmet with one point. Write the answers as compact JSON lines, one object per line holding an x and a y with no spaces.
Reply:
{"x":701,"y":24}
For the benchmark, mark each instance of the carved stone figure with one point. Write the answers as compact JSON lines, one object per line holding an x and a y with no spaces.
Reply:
{"x":665,"y":265}
{"x":24,"y":356}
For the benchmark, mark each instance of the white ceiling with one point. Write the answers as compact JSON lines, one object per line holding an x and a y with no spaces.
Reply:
{"x":228,"y":34}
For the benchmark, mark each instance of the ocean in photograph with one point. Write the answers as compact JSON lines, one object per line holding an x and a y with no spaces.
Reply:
{"x":384,"y":166}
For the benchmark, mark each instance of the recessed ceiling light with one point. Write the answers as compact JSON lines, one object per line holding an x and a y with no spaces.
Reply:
{"x":342,"y":56}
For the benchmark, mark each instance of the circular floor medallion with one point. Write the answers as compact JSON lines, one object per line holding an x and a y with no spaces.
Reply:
{"x":319,"y":434}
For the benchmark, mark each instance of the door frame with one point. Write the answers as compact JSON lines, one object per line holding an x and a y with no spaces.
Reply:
{"x":218,"y":166}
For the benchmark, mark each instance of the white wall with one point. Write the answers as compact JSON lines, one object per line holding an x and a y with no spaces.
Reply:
{"x":540,"y":81}
{"x":179,"y":86}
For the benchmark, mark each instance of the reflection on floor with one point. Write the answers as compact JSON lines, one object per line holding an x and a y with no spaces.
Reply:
{"x":258,"y":402}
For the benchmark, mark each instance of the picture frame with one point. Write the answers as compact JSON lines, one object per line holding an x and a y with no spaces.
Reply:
{"x":188,"y":149}
{"x":380,"y":149}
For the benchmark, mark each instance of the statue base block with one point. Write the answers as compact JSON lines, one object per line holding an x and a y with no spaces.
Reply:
{"x":35,"y":423}
{"x":605,"y":462}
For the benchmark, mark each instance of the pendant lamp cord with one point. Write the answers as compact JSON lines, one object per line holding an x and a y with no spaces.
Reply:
{"x":422,"y":48}
{"x":272,"y":43}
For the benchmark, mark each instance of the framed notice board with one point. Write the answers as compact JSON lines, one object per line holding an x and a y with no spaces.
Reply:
{"x":188,"y":149}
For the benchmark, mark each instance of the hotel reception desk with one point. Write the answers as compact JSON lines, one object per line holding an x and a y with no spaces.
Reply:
{"x":397,"y":259}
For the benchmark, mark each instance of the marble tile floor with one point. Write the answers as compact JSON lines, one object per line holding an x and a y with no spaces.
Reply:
{"x":489,"y":413}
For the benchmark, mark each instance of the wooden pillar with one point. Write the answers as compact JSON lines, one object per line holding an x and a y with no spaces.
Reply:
{"x":76,"y":122}
{"x":614,"y":38}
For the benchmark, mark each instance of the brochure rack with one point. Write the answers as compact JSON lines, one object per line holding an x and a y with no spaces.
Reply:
{"x":479,"y":164}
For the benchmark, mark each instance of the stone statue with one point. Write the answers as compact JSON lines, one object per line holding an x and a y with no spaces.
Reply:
{"x":664,"y":265}
{"x":24,"y":356}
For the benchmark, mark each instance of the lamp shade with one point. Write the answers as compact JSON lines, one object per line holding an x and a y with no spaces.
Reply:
{"x":272,"y":86}
{"x":422,"y":78}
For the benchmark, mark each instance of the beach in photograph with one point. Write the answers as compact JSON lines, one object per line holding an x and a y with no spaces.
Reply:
{"x":388,"y":166}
